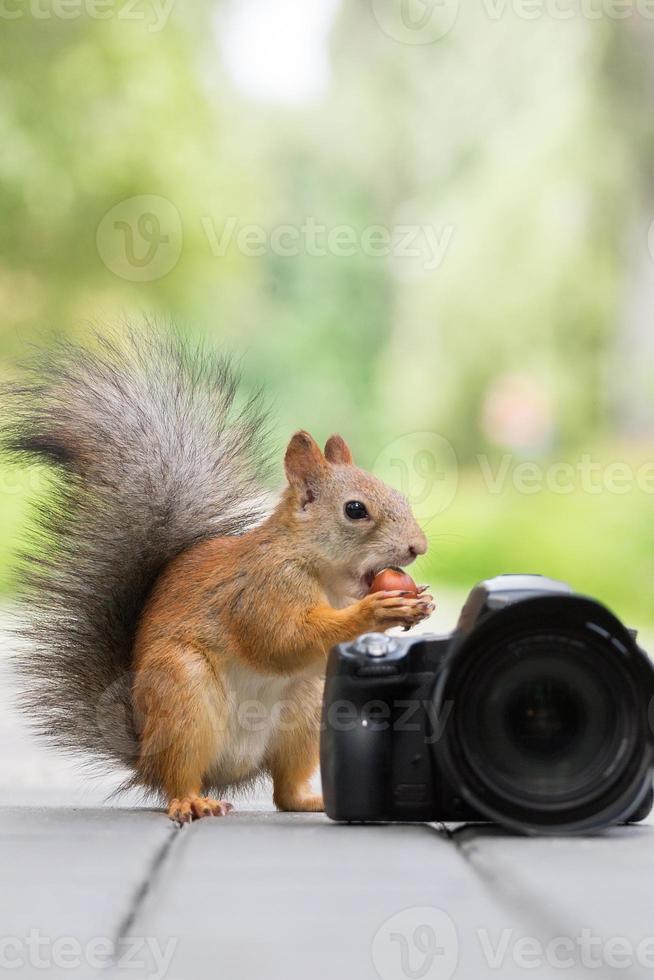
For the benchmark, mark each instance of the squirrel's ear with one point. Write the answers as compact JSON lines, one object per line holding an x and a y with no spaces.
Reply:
{"x":338,"y":451}
{"x":304,"y":465}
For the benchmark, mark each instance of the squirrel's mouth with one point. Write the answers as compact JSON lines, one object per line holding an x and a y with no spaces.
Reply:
{"x":366,"y":581}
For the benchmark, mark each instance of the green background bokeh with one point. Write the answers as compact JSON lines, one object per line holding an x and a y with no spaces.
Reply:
{"x":137,"y":176}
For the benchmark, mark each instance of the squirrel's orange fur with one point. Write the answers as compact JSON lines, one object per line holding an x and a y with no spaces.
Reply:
{"x":170,"y":627}
{"x":256,"y":615}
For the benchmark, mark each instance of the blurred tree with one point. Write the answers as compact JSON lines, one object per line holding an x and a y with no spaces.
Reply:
{"x":515,"y":154}
{"x":627,"y":88}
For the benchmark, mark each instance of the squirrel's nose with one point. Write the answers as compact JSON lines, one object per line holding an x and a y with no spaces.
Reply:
{"x":418,"y":547}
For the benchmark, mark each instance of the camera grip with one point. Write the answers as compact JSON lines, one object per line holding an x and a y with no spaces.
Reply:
{"x":355,"y":755}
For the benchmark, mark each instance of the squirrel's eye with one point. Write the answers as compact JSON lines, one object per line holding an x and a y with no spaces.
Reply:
{"x":355,"y":510}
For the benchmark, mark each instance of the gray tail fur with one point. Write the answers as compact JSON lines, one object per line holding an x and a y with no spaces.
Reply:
{"x":152,"y":454}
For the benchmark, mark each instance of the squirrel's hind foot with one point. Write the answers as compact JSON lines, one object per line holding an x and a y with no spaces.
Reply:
{"x":189,"y":808}
{"x":302,"y":804}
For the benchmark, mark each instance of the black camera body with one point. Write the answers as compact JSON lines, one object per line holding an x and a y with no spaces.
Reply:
{"x":535,"y":713}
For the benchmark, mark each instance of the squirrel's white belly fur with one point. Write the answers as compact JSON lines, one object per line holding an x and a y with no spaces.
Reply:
{"x":254,"y":710}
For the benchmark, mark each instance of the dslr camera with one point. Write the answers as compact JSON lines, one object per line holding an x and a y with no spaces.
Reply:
{"x":534,"y":713}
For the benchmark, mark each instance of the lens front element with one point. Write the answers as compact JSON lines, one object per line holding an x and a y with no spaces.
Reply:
{"x":548,"y":729}
{"x":546,"y":725}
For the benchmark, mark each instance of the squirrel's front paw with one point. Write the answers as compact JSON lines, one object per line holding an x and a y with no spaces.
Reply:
{"x":386,"y":609}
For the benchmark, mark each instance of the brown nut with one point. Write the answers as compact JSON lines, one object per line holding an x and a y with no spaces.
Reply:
{"x":393,"y":579}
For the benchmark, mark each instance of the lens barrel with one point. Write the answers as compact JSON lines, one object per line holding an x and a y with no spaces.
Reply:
{"x":548,"y":728}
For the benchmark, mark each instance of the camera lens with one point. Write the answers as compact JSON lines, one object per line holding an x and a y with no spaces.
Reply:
{"x":545,"y":716}
{"x":547,"y":728}
{"x":545,"y":724}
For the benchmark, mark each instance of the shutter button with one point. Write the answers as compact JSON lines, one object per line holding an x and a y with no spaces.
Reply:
{"x":375,"y":645}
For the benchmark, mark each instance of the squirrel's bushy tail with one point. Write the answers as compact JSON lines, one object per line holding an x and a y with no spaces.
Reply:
{"x":152,"y":454}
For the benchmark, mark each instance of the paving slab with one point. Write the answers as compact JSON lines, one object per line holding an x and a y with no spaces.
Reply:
{"x":295,"y":896}
{"x":69,"y":880}
{"x":593,"y":895}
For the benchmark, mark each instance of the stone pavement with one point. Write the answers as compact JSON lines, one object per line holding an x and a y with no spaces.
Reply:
{"x":116,"y":892}
{"x":89,"y":888}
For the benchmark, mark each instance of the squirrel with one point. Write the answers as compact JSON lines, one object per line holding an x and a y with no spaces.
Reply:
{"x":175,"y":625}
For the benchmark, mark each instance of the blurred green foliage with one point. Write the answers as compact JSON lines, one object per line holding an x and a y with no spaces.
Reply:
{"x":524,"y":145}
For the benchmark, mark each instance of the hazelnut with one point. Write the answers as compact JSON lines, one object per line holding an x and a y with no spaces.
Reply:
{"x":393,"y":579}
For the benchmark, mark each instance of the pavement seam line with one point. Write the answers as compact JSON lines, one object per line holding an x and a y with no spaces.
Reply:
{"x":512,"y":893}
{"x":143,"y":890}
